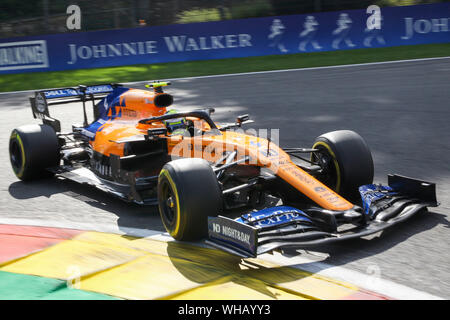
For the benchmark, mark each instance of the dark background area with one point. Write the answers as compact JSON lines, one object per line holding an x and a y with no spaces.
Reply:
{"x":34,"y":17}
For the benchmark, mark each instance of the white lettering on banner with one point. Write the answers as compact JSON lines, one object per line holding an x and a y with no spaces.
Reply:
{"x":216,"y":42}
{"x":23,"y":55}
{"x":203,"y":45}
{"x":84,"y":52}
{"x":150,"y":46}
{"x":230,"y":40}
{"x":424,"y":26}
{"x":175,"y":43}
{"x":110,"y":50}
{"x":184,"y":43}
{"x":191,"y":45}
{"x":129,"y":49}
{"x":440,"y":24}
{"x":178,"y":43}
{"x":99,"y":51}
{"x":114,"y":50}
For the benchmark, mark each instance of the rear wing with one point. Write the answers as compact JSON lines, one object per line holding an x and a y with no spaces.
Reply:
{"x":44,"y":98}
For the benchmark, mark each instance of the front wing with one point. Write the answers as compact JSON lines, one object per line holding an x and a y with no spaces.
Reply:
{"x":286,"y":227}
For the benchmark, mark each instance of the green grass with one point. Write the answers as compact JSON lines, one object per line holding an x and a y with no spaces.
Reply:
{"x":199,"y":15}
{"x":40,"y":80}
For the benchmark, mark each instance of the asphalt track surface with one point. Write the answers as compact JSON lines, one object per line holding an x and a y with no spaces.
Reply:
{"x":401,"y":110}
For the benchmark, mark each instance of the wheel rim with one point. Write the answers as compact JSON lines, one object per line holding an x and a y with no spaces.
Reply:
{"x":329,"y":175}
{"x":168,"y":203}
{"x":16,"y":157}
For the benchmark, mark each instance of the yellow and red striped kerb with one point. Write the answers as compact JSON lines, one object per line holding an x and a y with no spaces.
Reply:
{"x":97,"y":265}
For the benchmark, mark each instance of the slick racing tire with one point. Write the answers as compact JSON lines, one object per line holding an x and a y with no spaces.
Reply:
{"x":188,"y":192}
{"x":32,"y":149}
{"x":346,"y":162}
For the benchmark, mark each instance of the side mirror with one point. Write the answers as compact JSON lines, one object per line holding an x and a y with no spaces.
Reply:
{"x":243,"y":119}
{"x":154,"y":133}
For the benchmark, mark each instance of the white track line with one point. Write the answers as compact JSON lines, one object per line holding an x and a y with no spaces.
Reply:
{"x":268,"y":71}
{"x":299,"y":69}
{"x":84,"y":226}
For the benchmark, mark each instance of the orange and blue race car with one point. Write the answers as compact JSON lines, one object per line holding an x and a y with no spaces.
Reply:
{"x":241,"y":191}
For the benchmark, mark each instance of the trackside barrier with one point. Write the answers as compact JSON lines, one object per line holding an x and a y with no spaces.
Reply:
{"x":327,"y":31}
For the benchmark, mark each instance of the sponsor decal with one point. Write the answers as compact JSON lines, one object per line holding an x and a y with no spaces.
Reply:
{"x":99,"y":89}
{"x":129,"y":112}
{"x":275,"y":216}
{"x":23,"y":55}
{"x":61,"y":93}
{"x":300,"y":175}
{"x":232,"y":233}
{"x":73,"y":22}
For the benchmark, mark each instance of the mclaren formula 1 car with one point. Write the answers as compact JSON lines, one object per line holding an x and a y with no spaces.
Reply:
{"x":213,"y":180}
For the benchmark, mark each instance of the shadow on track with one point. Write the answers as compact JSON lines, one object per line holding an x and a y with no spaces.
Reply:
{"x":130,"y":215}
{"x":16,"y":101}
{"x":357,"y":249}
{"x":258,"y":277}
{"x":207,"y":266}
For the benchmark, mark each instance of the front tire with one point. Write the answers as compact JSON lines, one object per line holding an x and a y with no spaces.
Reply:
{"x":346,"y":161}
{"x":33,"y":149}
{"x":188,"y":192}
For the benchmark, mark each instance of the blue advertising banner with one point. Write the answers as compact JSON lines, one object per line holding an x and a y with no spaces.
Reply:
{"x":326,"y":31}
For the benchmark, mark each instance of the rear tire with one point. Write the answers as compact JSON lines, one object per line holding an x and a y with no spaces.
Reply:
{"x":32,"y":149}
{"x":349,"y":162}
{"x":188,"y":192}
